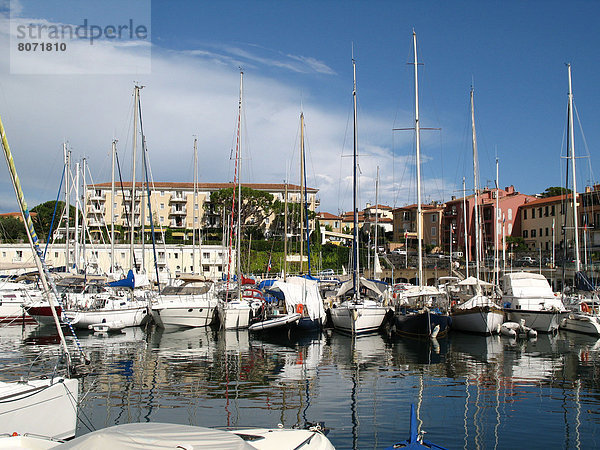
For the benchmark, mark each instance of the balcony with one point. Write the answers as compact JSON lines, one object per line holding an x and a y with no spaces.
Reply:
{"x":95,"y":223}
{"x":178,"y":198}
{"x":177,"y":224}
{"x":178,"y":212}
{"x":96,"y":209}
{"x":95,"y":197}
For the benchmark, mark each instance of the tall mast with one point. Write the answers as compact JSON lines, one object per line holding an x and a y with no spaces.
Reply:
{"x":476,"y":188}
{"x":238,"y":249}
{"x":112,"y":207}
{"x":301,"y":192}
{"x":77,"y":216}
{"x":496,"y":228}
{"x":418,"y":162}
{"x":84,"y":212}
{"x":195,"y":203}
{"x":136,"y":96}
{"x":38,"y":255}
{"x":143,"y":197}
{"x":67,"y":155}
{"x":285,"y":232}
{"x":355,"y":271}
{"x":376,"y":219}
{"x":572,"y":156}
{"x":466,"y":231}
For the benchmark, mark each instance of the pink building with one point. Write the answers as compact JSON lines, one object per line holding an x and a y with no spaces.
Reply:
{"x":508,"y":219}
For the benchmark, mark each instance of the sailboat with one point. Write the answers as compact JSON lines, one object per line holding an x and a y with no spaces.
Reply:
{"x":234,"y":310}
{"x":479,"y":313}
{"x":355,"y":314}
{"x":190,"y":300}
{"x":46,"y":406}
{"x":118,"y":308}
{"x":417,"y":314}
{"x":585,"y":314}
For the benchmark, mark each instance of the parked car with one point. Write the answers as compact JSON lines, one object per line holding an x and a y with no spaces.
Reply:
{"x":326,"y":273}
{"x":398,"y":251}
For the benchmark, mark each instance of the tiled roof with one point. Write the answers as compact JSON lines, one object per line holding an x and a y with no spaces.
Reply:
{"x":548,"y":200}
{"x":209,"y":186}
{"x":327,"y":216}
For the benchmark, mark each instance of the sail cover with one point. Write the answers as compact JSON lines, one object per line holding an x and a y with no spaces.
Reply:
{"x":302,"y":291}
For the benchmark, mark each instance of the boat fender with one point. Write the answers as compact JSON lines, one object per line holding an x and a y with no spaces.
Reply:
{"x":299,"y":308}
{"x":585,"y":308}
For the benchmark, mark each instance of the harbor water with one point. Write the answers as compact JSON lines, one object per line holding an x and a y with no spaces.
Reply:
{"x":470,"y":391}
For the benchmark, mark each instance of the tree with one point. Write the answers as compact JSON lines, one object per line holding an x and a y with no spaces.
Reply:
{"x":257,"y":206}
{"x":554,"y":191}
{"x":12,"y":229}
{"x":43,"y":218}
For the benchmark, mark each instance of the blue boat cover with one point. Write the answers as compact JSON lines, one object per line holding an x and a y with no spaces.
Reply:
{"x":128,"y":282}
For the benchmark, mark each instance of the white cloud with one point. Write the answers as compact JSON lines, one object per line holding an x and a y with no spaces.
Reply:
{"x":193,"y":93}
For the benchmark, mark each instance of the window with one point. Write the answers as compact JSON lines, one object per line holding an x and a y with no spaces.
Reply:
{"x":162,"y":219}
{"x":509,"y":213}
{"x":196,"y":206}
{"x":55,"y":254}
{"x":552,"y":210}
{"x":267,"y":221}
{"x":122,"y":255}
{"x":206,"y":268}
{"x":524,"y":214}
{"x":454,"y":210}
{"x":434,"y":217}
{"x":205,"y":255}
{"x":433,"y":231}
{"x":540,"y":211}
{"x":533,"y":233}
{"x":533,"y":213}
{"x":336,"y":224}
{"x":406,"y":215}
{"x":541,"y":232}
{"x":220,"y":268}
{"x":547,"y":232}
{"x":162,"y":206}
{"x":176,"y":255}
{"x":525,"y":234}
{"x":546,"y":211}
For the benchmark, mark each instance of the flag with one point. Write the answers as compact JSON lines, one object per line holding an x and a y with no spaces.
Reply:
{"x":269,"y":265}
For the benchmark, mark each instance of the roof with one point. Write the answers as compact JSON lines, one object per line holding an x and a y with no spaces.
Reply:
{"x":549,"y":200}
{"x":425,"y":207}
{"x":209,"y":186}
{"x":327,"y":216}
{"x":378,"y":207}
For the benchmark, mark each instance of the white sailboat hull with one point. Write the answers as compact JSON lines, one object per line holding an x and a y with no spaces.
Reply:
{"x":187,"y":313}
{"x":42,"y":407}
{"x":481,"y":320}
{"x":357,"y":319}
{"x":582,"y":323}
{"x":128,"y":317}
{"x":234,"y":314}
{"x":544,"y":321}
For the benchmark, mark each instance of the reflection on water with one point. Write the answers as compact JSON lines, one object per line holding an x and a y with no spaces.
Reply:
{"x":470,"y":391}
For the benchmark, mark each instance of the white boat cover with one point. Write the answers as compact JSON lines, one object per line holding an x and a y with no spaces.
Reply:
{"x":527,"y":285}
{"x":301,"y":291}
{"x":157,"y":435}
{"x":477,"y":300}
{"x":378,"y":290}
{"x":472,"y":281}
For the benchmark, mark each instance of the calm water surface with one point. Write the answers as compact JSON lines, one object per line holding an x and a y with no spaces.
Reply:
{"x":471,"y":391}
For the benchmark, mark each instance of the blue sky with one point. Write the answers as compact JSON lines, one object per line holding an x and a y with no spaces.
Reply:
{"x":298,"y":55}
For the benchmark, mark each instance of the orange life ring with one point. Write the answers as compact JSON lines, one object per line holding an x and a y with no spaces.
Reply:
{"x":299,"y":308}
{"x":585,"y":308}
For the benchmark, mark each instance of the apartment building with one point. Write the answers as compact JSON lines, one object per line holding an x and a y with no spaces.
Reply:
{"x":543,"y":221}
{"x":171,"y":259}
{"x":500,"y":216}
{"x":173,"y":205}
{"x":405,"y":223}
